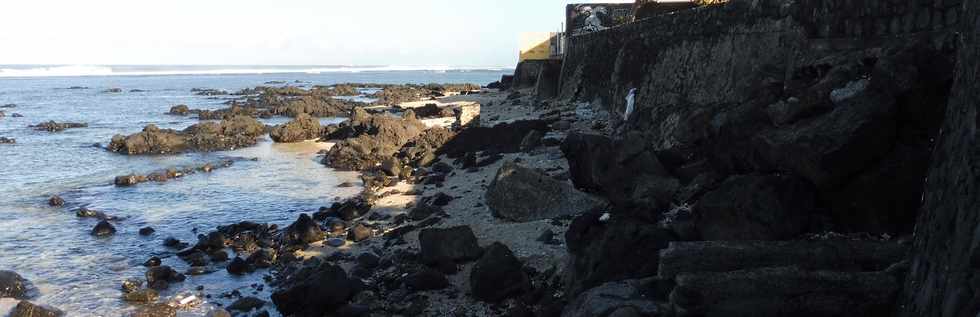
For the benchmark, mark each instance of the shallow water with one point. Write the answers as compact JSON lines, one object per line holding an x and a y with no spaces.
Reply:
{"x":81,"y":274}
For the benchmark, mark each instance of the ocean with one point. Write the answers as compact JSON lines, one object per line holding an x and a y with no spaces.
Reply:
{"x":81,"y":274}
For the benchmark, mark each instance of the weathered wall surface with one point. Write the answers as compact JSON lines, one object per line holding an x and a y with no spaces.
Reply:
{"x":768,"y":31}
{"x":766,"y":86}
{"x":774,"y":120}
{"x":944,"y":279}
{"x":526,"y":73}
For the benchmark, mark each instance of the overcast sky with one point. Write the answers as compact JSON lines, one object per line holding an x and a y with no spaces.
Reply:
{"x":288,"y":32}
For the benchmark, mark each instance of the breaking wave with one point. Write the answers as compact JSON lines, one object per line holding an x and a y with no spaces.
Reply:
{"x":97,"y":70}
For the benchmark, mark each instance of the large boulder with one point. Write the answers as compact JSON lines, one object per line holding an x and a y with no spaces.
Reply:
{"x":620,"y":248}
{"x":160,"y":277}
{"x":624,"y":171}
{"x":28,"y":309}
{"x":103,"y":229}
{"x":370,"y":139}
{"x":315,"y":293}
{"x":303,"y":127}
{"x":179,"y":110}
{"x":756,"y":207}
{"x":502,"y":138}
{"x":304,"y":230}
{"x":520,"y":194}
{"x":456,"y":244}
{"x":498,"y":275}
{"x":13,"y":285}
{"x":421,"y":151}
{"x":607,"y":298}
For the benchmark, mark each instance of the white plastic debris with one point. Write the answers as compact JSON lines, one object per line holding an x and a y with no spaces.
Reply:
{"x":188,"y":299}
{"x":849,"y":91}
{"x":605,"y":217}
{"x":630,"y":103}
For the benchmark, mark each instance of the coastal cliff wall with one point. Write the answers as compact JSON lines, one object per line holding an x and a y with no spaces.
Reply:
{"x":780,"y":120}
{"x":943,"y":280}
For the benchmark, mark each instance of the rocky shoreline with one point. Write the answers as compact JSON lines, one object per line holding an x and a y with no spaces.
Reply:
{"x":741,"y":158}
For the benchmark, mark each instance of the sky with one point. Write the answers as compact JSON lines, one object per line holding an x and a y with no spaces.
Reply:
{"x":264,"y":32}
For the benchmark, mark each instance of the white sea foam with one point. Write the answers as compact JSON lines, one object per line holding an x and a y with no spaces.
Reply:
{"x":98,"y":70}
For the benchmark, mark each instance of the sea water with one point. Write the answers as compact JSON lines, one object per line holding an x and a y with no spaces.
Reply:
{"x":81,"y":274}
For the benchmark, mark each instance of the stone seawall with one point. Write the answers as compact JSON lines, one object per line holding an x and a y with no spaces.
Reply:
{"x":784,"y":120}
{"x":945,"y":269}
{"x":604,"y":65}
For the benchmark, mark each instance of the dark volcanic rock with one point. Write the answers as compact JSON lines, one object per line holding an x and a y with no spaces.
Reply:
{"x":56,"y":201}
{"x":371,"y":139}
{"x":238,"y":266}
{"x":427,"y":280}
{"x":246,"y":304}
{"x":155,"y":310}
{"x":521,"y":194}
{"x":28,"y":309}
{"x":179,"y":110}
{"x":607,"y":299}
{"x":531,"y":140}
{"x":211,"y":242}
{"x":52,"y":126}
{"x":160,"y":277}
{"x":263,"y":258}
{"x":456,"y":244}
{"x":302,"y":128}
{"x":421,"y":151}
{"x":103,"y":229}
{"x":202,"y":137}
{"x":359,"y":233}
{"x":13,"y":285}
{"x":755,"y":208}
{"x":315,"y":293}
{"x":146,"y":295}
{"x":591,"y":244}
{"x":498,"y":275}
{"x":304,"y":230}
{"x":502,"y":138}
{"x":145,"y":231}
{"x":624,"y":171}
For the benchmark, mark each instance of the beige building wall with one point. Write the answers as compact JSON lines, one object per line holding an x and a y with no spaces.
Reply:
{"x":535,"y":45}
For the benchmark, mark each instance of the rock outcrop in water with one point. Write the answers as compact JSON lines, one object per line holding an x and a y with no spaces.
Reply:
{"x":170,"y":173}
{"x":13,"y":285}
{"x":179,"y":110}
{"x":303,"y":128}
{"x":228,"y":134}
{"x":52,"y":126}
{"x":28,"y":309}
